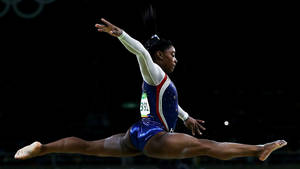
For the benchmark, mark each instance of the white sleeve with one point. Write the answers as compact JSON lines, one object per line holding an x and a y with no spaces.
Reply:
{"x":182,"y":114}
{"x":151,"y":72}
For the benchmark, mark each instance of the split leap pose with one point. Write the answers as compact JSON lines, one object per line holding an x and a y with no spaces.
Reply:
{"x":153,"y":135}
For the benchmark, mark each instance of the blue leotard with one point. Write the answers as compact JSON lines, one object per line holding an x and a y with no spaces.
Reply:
{"x":163,"y":105}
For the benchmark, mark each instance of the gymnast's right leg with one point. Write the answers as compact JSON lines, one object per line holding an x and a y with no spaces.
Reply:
{"x":118,"y":145}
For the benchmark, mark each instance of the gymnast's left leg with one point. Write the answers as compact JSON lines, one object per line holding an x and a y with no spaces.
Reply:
{"x":118,"y":145}
{"x":179,"y":146}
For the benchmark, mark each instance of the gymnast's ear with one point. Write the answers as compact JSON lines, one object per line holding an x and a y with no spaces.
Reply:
{"x":159,"y":55}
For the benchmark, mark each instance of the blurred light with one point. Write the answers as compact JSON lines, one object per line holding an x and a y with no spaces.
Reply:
{"x":14,"y":5}
{"x":129,"y":105}
{"x":226,"y":123}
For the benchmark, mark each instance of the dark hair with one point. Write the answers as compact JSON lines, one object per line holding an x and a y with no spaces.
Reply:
{"x":154,"y":43}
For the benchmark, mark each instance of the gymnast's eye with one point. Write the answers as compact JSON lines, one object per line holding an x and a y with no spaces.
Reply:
{"x":173,"y":54}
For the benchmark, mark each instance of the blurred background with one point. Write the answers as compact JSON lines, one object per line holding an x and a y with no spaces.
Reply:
{"x":237,"y":62}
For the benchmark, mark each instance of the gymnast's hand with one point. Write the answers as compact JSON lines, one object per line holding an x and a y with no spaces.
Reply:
{"x":109,"y":28}
{"x":194,"y":125}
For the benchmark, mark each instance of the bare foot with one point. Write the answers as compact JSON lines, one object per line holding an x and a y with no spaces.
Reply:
{"x":270,"y":147}
{"x":29,"y":151}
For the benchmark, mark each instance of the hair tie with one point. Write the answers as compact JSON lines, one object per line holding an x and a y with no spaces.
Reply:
{"x":154,"y":36}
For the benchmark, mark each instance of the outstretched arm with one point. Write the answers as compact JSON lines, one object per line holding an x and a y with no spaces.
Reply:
{"x":151,"y":72}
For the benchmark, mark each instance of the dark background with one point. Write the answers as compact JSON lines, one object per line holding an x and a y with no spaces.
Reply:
{"x":236,"y":62}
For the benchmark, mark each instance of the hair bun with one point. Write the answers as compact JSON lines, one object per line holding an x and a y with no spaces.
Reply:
{"x":151,"y":42}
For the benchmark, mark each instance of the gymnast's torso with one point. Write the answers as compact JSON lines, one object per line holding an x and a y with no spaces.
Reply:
{"x":160,"y":103}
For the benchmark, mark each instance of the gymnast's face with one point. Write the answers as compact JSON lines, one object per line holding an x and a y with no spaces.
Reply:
{"x":166,"y":59}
